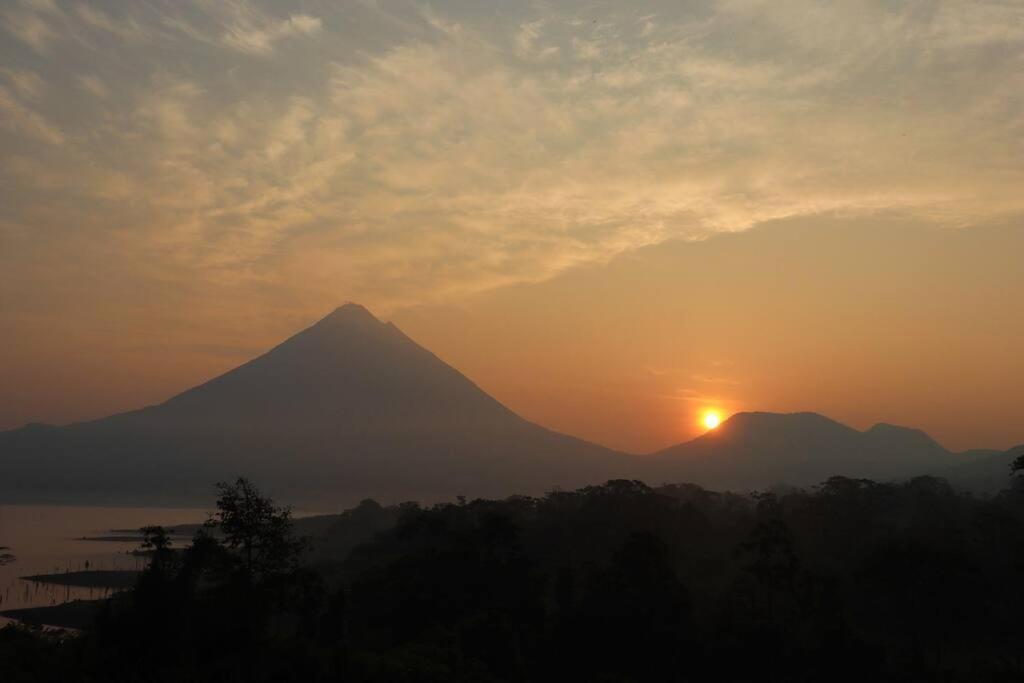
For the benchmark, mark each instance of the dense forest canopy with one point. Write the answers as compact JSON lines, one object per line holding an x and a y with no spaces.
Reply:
{"x":851,"y":580}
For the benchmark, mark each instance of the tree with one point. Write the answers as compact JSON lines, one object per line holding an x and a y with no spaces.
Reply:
{"x":1017,"y":465}
{"x":253,"y":525}
{"x":158,"y":541}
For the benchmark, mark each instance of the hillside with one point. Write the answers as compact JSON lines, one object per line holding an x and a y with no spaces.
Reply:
{"x":347,"y":409}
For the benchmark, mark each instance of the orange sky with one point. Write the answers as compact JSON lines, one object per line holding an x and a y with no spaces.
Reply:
{"x":608,"y":215}
{"x":864,"y":320}
{"x":867,"y":319}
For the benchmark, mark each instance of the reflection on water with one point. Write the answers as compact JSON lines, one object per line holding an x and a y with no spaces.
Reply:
{"x":46,"y":539}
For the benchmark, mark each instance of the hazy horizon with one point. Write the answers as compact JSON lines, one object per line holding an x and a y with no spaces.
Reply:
{"x":646,"y":395}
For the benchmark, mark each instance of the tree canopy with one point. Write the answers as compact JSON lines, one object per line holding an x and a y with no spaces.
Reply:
{"x":853,"y":580}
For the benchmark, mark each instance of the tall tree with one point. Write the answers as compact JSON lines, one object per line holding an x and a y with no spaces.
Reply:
{"x":156,"y":540}
{"x":261,"y":531}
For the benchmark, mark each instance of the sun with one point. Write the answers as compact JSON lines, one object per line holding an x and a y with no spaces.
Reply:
{"x":711,"y":419}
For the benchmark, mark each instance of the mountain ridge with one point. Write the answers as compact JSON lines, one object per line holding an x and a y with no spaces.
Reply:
{"x":758,"y":449}
{"x":350,"y":407}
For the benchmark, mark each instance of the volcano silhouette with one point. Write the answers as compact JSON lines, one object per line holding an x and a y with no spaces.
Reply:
{"x":348,"y":408}
{"x":352,"y":408}
{"x":758,"y":450}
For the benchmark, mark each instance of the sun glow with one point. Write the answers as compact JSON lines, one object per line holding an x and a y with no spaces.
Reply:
{"x":711,"y":419}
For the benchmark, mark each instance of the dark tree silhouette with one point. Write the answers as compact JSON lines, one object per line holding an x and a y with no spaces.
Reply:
{"x":157,"y":541}
{"x":853,"y":580}
{"x":259,"y":530}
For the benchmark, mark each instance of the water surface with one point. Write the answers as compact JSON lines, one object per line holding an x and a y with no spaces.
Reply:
{"x":46,"y":539}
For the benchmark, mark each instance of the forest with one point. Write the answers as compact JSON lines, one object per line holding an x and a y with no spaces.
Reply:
{"x":851,"y":580}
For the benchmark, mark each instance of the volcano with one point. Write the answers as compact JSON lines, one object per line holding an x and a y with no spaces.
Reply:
{"x":349,"y":408}
{"x":352,"y":408}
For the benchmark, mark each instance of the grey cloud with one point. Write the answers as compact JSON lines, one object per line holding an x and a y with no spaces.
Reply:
{"x":423,"y":154}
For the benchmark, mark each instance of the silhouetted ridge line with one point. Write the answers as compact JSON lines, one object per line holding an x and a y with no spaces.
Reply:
{"x":757,"y":450}
{"x":348,"y":407}
{"x":351,"y":407}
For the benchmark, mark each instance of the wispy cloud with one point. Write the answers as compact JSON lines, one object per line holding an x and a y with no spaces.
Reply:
{"x":257,"y":33}
{"x":30,"y":28}
{"x":22,"y":120}
{"x":527,"y":40}
{"x":26,"y":83}
{"x":93,"y":85}
{"x":427,"y":153}
{"x":126,"y":28}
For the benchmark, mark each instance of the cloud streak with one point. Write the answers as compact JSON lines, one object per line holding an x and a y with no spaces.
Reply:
{"x":21,"y":120}
{"x":258,"y":35}
{"x":421,"y":155}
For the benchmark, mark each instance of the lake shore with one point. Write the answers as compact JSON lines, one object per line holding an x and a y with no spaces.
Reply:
{"x":77,"y":614}
{"x":96,"y":578}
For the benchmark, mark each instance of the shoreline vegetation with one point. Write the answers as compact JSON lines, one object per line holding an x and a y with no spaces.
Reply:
{"x":128,"y":539}
{"x":90,"y":578}
{"x":78,"y":615}
{"x":851,"y":580}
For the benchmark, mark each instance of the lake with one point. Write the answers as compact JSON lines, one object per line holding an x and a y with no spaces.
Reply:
{"x":47,"y":539}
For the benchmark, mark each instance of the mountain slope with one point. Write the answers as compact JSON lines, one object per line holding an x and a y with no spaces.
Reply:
{"x":348,"y":373}
{"x":757,"y":450}
{"x":983,"y":471}
{"x":352,"y":408}
{"x":345,"y":409}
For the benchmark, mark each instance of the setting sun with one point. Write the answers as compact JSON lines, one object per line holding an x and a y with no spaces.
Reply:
{"x":711,"y":419}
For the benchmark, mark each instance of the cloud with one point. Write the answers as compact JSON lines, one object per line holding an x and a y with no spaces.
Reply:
{"x":586,"y":49}
{"x":257,"y":34}
{"x":127,"y":28}
{"x":23,"y":120}
{"x":93,"y":85}
{"x":526,"y":40}
{"x":28,"y":84}
{"x":427,"y":154}
{"x":30,"y":28}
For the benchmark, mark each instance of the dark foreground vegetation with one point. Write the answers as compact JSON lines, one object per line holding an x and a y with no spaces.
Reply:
{"x":75,"y":614}
{"x":91,"y":578}
{"x":853,"y":581}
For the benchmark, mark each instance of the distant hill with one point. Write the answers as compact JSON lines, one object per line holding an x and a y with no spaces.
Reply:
{"x":346,"y":409}
{"x":757,"y":450}
{"x":351,"y":408}
{"x":983,"y":471}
